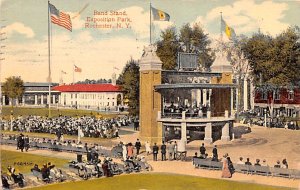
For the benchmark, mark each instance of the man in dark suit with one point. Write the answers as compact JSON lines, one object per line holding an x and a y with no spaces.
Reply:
{"x":215,"y":153}
{"x":202,"y":151}
{"x":163,"y":151}
{"x":155,"y":152}
{"x":138,"y":146}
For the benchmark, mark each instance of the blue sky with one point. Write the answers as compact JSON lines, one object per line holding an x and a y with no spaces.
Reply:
{"x":97,"y":51}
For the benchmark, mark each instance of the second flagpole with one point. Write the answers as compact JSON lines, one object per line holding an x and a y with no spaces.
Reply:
{"x":49,"y":67}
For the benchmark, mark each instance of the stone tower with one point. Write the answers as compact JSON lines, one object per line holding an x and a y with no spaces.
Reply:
{"x":150,"y":101}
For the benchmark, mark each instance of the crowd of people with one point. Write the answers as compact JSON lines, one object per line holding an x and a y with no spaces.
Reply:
{"x":190,"y":111}
{"x":228,"y":168}
{"x":90,"y":126}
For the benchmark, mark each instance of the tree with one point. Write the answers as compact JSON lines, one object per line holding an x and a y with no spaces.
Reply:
{"x":201,"y":46}
{"x":167,"y":48}
{"x":13,"y":88}
{"x":275,"y":62}
{"x":190,"y":40}
{"x":129,"y":81}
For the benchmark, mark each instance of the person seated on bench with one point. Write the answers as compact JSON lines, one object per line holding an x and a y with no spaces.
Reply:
{"x":240,"y":161}
{"x":18,"y":178}
{"x":248,"y":162}
{"x":257,"y":162}
{"x":45,"y":172}
{"x":277,"y":165}
{"x":285,"y":164}
{"x":196,"y":155}
{"x":35,"y":168}
{"x":264,"y":163}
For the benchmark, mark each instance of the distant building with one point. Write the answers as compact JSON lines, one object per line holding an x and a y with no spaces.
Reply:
{"x":35,"y":94}
{"x":286,"y":102}
{"x":90,"y":96}
{"x":106,"y":97}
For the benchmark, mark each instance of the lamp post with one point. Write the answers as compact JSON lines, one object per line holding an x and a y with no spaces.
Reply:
{"x":265,"y":114}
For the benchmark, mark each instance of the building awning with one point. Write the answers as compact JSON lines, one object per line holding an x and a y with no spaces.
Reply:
{"x":193,"y":86}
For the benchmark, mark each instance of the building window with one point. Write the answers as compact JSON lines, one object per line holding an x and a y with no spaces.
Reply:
{"x":71,"y":96}
{"x":277,"y":95}
{"x":291,"y":95}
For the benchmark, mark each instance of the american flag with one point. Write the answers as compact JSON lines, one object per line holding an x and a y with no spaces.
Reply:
{"x":77,"y":69}
{"x":60,"y":18}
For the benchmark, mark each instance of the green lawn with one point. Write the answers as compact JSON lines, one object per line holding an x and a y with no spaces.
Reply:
{"x":10,"y":158}
{"x":6,"y":111}
{"x":156,"y":182}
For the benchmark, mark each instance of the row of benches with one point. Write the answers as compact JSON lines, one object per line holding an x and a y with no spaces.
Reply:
{"x":249,"y":169}
{"x":57,"y":147}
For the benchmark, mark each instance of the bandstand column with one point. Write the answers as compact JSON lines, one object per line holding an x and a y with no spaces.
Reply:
{"x":245,"y":93}
{"x":35,"y":100}
{"x":183,"y":127}
{"x":225,"y":132}
{"x":10,"y":101}
{"x":204,"y":97}
{"x":23,"y":100}
{"x":53,"y":99}
{"x":251,"y":94}
{"x":183,"y":131}
{"x":3,"y":100}
{"x":199,"y":93}
{"x":208,"y":133}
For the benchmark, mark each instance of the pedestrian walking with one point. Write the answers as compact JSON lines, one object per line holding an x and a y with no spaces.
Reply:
{"x":155,"y":152}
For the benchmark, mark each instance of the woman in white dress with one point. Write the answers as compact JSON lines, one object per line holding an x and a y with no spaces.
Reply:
{"x":148,"y":148}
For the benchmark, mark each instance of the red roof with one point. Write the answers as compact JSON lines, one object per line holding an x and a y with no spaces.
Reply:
{"x":88,"y":88}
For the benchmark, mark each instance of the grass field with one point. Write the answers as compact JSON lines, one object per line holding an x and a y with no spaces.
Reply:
{"x":156,"y":182}
{"x":24,"y":111}
{"x":14,"y":159}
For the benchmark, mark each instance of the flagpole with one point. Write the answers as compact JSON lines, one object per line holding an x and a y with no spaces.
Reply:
{"x":49,"y":61}
{"x":73,"y":74}
{"x":150,"y":25}
{"x":221,"y":28}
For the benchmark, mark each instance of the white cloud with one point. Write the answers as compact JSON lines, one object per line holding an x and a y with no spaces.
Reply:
{"x":96,"y":58}
{"x":247,"y":16}
{"x":19,"y":28}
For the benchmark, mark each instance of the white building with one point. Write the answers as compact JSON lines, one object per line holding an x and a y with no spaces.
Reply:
{"x":90,"y":96}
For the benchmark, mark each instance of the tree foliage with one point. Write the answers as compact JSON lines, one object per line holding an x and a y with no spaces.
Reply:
{"x":275,"y":60}
{"x":92,"y":81}
{"x":129,"y":81}
{"x":13,"y":87}
{"x":167,"y":48}
{"x":190,"y":40}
